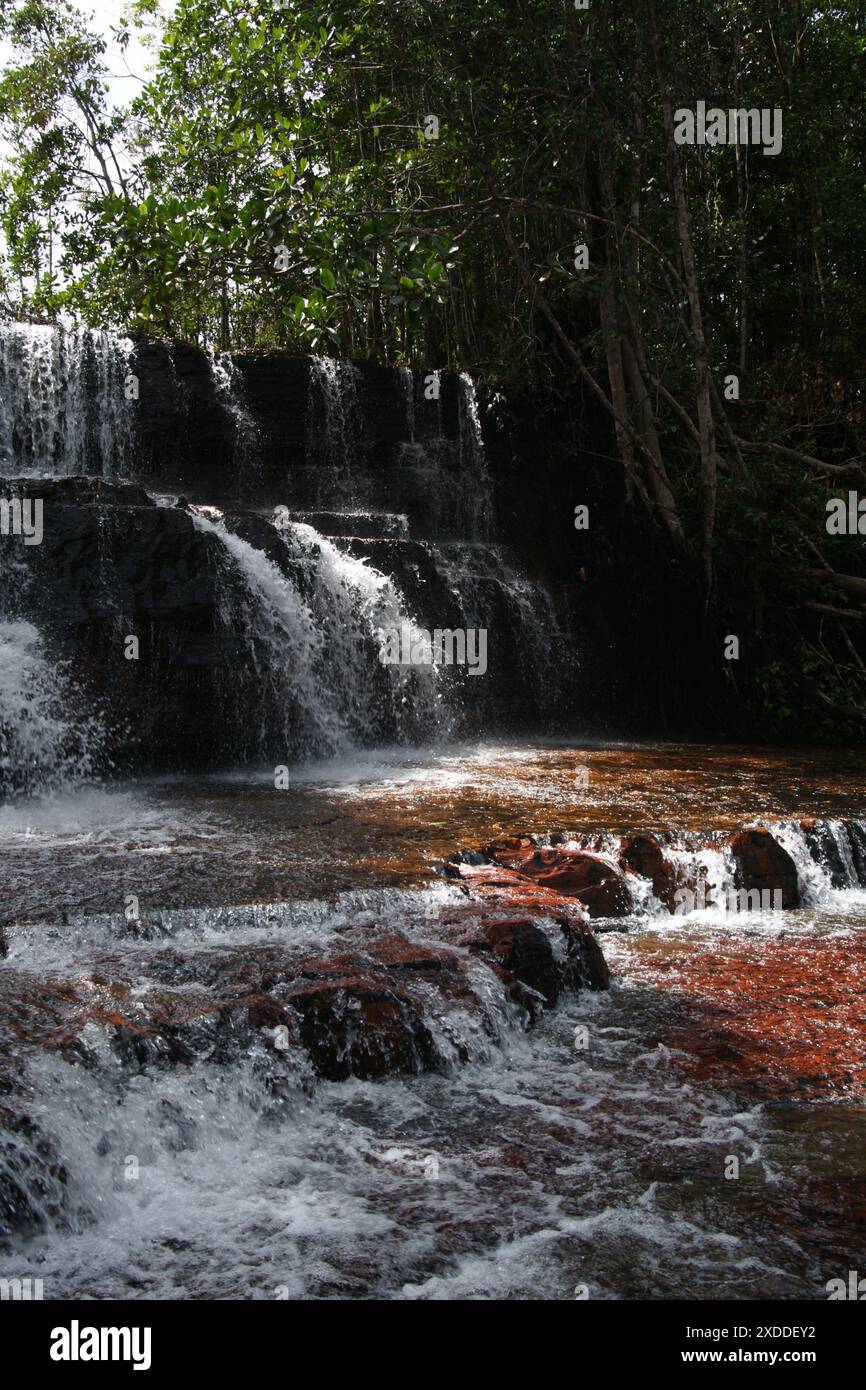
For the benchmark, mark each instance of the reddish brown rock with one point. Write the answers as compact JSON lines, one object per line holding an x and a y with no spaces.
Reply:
{"x":353,"y":1027}
{"x":642,"y":854}
{"x":585,"y":965}
{"x":523,"y":952}
{"x":596,"y":883}
{"x":501,"y":889}
{"x":507,"y":890}
{"x":762,"y":864}
{"x":519,"y":845}
{"x":769,"y":1016}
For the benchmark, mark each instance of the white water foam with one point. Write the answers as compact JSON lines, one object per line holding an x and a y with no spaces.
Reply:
{"x":63,"y":404}
{"x":43,"y":745}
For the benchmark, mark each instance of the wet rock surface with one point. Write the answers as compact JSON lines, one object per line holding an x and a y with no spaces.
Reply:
{"x":596,"y":883}
{"x":643,"y":855}
{"x":778,"y":1019}
{"x":413,"y":995}
{"x":754,"y":870}
{"x":372,"y":1003}
{"x":763,"y":865}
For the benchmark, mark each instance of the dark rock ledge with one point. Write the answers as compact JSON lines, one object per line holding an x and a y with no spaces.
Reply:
{"x":600,"y":876}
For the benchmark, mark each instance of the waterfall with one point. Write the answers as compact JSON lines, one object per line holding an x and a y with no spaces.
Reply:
{"x":429,"y":463}
{"x":47,"y":743}
{"x":334,"y":421}
{"x":354,"y":606}
{"x":407,"y":379}
{"x":390,"y":531}
{"x":474,"y":478}
{"x":311,"y":682}
{"x":231,"y":396}
{"x":63,"y":402}
{"x":830,"y":855}
{"x":532,"y":665}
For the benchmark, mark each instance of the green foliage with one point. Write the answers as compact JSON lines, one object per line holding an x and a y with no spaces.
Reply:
{"x":272,"y":184}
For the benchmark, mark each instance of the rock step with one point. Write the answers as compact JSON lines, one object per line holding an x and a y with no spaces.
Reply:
{"x":363,"y":525}
{"x":594,"y":871}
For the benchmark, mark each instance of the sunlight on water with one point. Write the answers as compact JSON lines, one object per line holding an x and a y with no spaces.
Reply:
{"x":527,"y":1169}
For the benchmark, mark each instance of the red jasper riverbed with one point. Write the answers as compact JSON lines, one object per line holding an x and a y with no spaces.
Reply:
{"x":484,"y":1152}
{"x":778,"y":1017}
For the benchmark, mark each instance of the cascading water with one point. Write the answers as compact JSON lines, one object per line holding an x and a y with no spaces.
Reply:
{"x":254,"y":997}
{"x":437,"y":476}
{"x":232,"y":398}
{"x":173,"y":1135}
{"x":282,"y":646}
{"x":311,"y":635}
{"x":474,"y":478}
{"x":63,"y":402}
{"x":355,"y":606}
{"x":407,"y":377}
{"x":335,"y":426}
{"x":534,"y":663}
{"x":47,"y":743}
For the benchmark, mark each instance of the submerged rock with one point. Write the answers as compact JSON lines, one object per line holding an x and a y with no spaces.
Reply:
{"x":522,"y":951}
{"x":501,"y":889}
{"x":369,"y":1002}
{"x":353,"y":1027}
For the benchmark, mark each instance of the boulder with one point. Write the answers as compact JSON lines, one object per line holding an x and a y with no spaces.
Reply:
{"x":643,"y":855}
{"x":354,"y":1027}
{"x":506,"y":890}
{"x":585,"y":965}
{"x":597,"y":883}
{"x":523,"y":952}
{"x":763,"y":864}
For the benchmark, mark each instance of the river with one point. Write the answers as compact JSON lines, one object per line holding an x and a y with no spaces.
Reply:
{"x":697,"y":1130}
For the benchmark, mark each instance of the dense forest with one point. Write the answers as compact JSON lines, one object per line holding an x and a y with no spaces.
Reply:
{"x":504,"y":188}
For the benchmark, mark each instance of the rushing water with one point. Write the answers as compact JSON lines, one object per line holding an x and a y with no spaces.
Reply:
{"x":531,"y":1169}
{"x":49,"y":741}
{"x":697,"y":1130}
{"x":64,"y":406}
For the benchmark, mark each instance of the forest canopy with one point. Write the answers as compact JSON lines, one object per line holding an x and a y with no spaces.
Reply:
{"x":500,"y":186}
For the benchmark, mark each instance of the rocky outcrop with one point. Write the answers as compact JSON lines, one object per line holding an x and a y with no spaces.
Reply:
{"x":596,"y":883}
{"x":578,"y":962}
{"x":745,"y":871}
{"x":643,"y":855}
{"x":357,"y":1006}
{"x":113,"y":564}
{"x":190,"y":425}
{"x":367,"y":1002}
{"x":762,"y":864}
